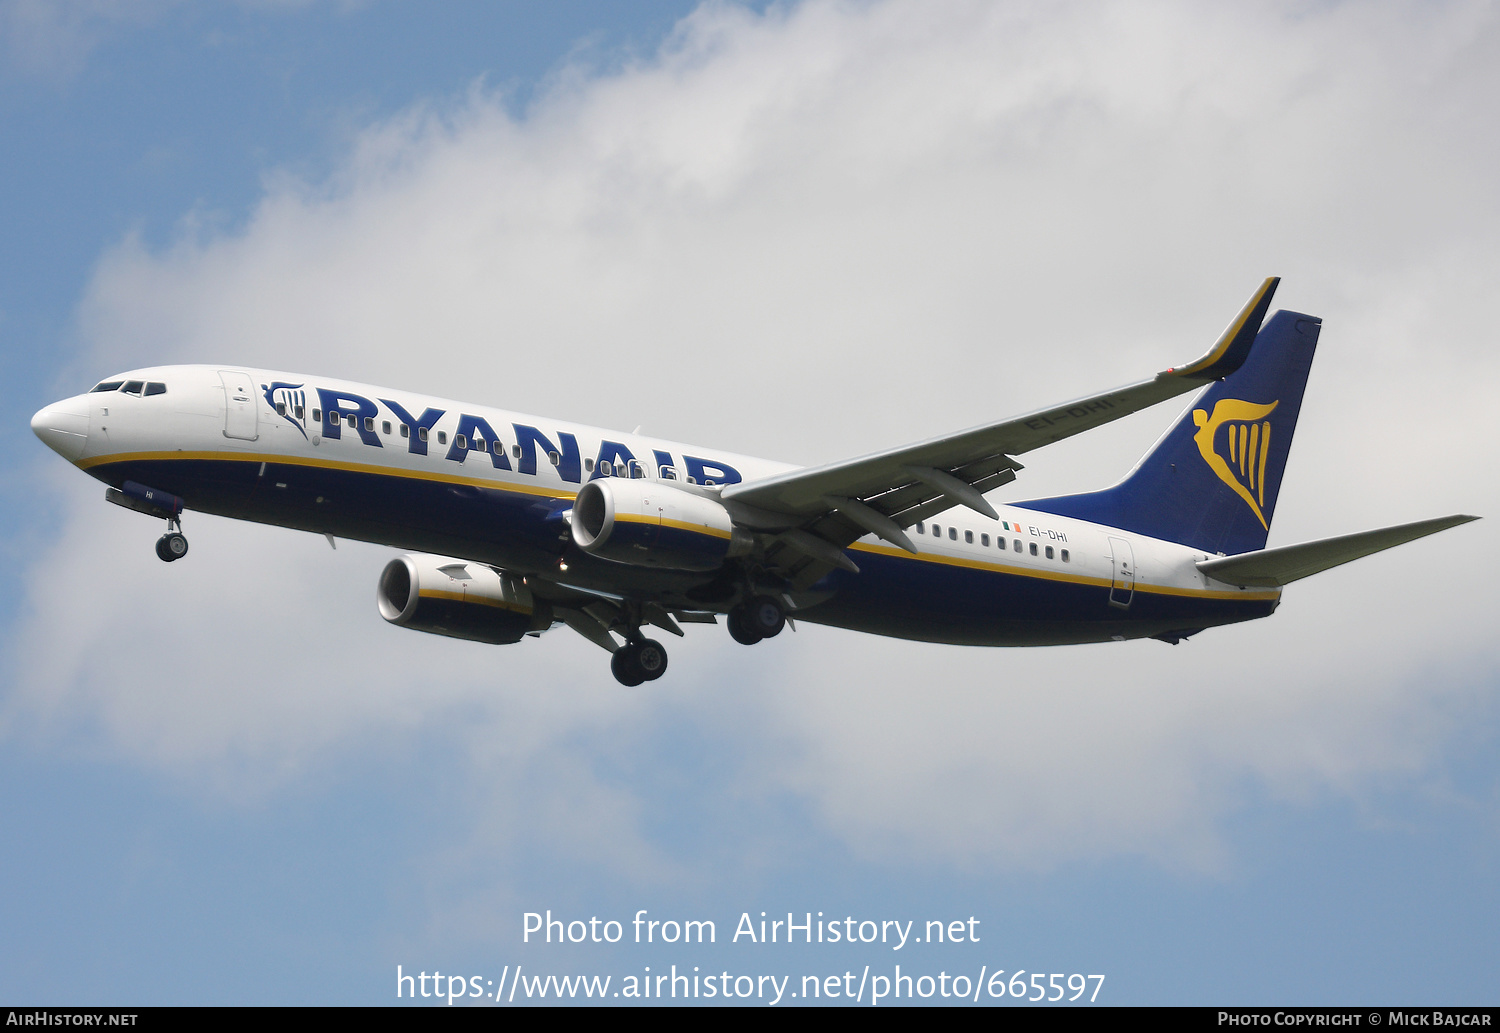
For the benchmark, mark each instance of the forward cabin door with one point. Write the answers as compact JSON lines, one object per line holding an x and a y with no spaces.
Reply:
{"x":1122,"y":584}
{"x":239,"y":406}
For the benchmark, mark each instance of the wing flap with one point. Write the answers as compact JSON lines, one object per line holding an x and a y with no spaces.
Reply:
{"x":1272,"y":568}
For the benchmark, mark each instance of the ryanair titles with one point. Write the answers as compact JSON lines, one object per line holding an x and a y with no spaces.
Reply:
{"x":339,"y":411}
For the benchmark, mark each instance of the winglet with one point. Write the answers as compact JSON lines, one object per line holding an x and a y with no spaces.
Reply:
{"x":1233,"y":346}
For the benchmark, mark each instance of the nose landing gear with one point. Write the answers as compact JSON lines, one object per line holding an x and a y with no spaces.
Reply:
{"x":157,"y":503}
{"x":173,"y":545}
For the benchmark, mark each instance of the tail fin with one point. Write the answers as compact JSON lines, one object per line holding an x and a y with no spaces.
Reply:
{"x":1211,"y":482}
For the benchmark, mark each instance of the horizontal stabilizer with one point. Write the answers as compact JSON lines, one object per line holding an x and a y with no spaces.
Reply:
{"x":1272,"y":568}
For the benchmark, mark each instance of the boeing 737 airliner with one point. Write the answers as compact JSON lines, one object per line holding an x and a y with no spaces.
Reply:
{"x":515,"y":524}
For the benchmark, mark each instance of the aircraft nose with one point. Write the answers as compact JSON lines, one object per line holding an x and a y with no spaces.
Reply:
{"x":63,"y":427}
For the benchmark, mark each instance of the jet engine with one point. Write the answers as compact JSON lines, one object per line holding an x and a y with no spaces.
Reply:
{"x":460,"y":600}
{"x":655,"y":524}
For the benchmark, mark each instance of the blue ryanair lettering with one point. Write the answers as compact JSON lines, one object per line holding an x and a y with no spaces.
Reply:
{"x":570,"y":468}
{"x":470,"y":427}
{"x":703,"y":470}
{"x":341,"y":403}
{"x":616,"y":454}
{"x":414,"y":443}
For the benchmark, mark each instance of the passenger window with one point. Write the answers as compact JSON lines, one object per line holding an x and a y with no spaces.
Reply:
{"x":554,"y":458}
{"x":588,"y":464}
{"x":1065,"y":555}
{"x":353,"y":420}
{"x":937,"y":532}
{"x":333,"y":417}
{"x":691,"y":479}
{"x":606,"y":469}
{"x":385,"y":426}
{"x":497,"y":447}
{"x":968,"y":537}
{"x":1049,"y":552}
{"x":1018,"y":545}
{"x":515,"y":450}
{"x":953,"y":534}
{"x":921,"y":529}
{"x":405,"y":431}
{"x":422,"y":433}
{"x":984,"y":540}
{"x":1033,"y":548}
{"x":156,"y":387}
{"x":442,"y":437}
{"x":133,"y":387}
{"x":461,"y":442}
{"x":668,"y":474}
{"x":370,"y":423}
{"x":317,"y":416}
{"x":298,"y":411}
{"x":280,"y":408}
{"x":108,"y":385}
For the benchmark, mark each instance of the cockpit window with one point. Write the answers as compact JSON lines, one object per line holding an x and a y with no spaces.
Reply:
{"x":108,"y":385}
{"x":156,"y":387}
{"x":133,"y":387}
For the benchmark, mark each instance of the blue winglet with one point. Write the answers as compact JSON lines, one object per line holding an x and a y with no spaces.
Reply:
{"x":1233,"y":346}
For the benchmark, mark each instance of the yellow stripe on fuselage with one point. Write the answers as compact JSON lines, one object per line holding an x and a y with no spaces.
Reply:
{"x":329,"y":464}
{"x":445,"y":478}
{"x":1059,"y":575}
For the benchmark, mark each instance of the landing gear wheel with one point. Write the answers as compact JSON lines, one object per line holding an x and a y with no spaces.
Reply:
{"x":764,"y":616}
{"x":650,"y":659}
{"x":171,"y":546}
{"x":739,"y":628}
{"x":626,"y":670}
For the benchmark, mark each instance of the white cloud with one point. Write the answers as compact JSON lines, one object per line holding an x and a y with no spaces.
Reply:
{"x":806,"y":234}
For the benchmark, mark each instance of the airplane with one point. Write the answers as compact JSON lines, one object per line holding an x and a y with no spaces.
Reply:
{"x":513,"y":524}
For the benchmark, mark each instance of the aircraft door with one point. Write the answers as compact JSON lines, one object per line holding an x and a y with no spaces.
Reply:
{"x":239,"y":406}
{"x":1122,"y":584}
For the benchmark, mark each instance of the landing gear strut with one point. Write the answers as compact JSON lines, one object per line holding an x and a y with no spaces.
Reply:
{"x":639,"y":660}
{"x":172,"y":545}
{"x":758,"y":617}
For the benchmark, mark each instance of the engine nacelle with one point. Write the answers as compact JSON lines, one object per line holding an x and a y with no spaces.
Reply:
{"x":460,"y":600}
{"x":654,"y":524}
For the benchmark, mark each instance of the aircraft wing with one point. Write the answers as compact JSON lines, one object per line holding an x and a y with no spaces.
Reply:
{"x":820,"y":510}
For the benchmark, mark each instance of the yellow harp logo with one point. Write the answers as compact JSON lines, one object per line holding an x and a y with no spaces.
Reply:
{"x":1249,"y":435}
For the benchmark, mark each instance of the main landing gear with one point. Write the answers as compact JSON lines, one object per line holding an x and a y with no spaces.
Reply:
{"x":758,"y":617}
{"x":172,"y":545}
{"x":639,"y":660}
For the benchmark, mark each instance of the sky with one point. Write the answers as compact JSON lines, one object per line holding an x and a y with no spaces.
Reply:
{"x":802,"y":231}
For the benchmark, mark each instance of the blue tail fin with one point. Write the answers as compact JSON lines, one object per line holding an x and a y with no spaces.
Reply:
{"x":1211,"y":482}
